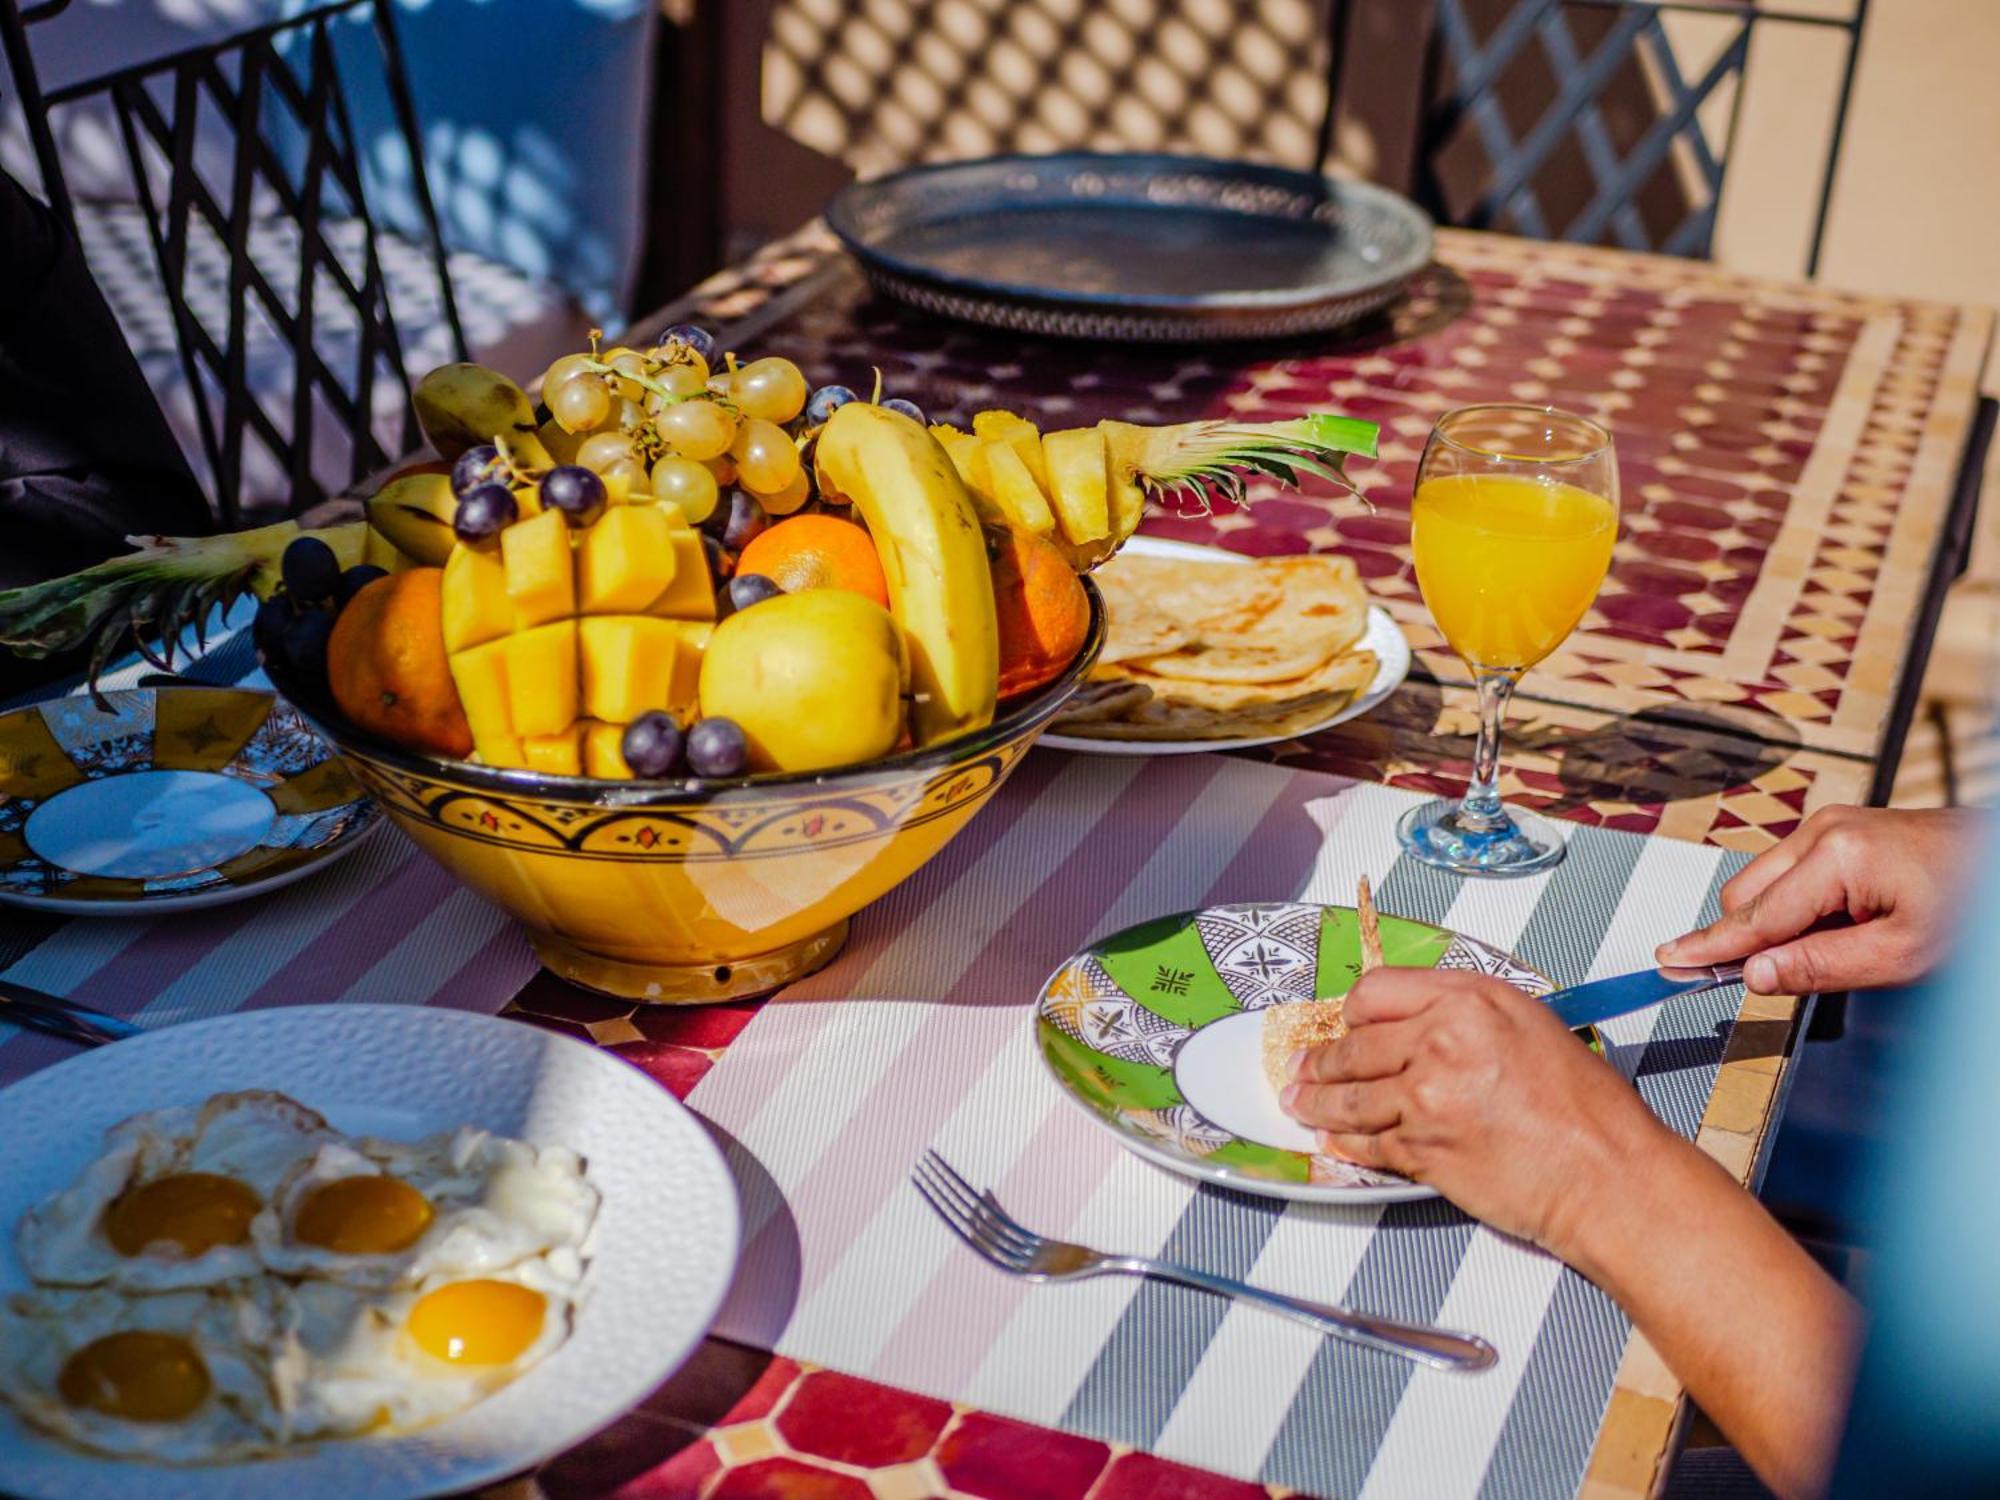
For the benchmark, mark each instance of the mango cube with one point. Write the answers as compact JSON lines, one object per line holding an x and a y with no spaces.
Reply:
{"x":691,"y":593}
{"x":625,"y":561}
{"x":542,"y":677}
{"x":630,"y":665}
{"x":541,"y":579}
{"x":475,"y":604}
{"x":481,"y":677}
{"x":554,"y":754}
{"x":604,"y":751}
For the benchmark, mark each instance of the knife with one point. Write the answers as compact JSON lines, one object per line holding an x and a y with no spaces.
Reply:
{"x":64,"y":1018}
{"x":1601,"y":999}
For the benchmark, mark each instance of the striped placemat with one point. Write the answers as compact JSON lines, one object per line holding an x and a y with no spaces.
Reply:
{"x":825,"y":1105}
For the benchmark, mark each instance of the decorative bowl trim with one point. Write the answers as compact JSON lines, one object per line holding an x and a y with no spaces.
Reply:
{"x":1027,"y":714}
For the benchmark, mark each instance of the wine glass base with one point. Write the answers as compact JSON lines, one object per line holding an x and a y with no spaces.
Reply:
{"x":1523,"y":844}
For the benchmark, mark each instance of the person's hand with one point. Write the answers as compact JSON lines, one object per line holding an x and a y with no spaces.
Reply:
{"x":1895,"y":875}
{"x":1463,"y":1082}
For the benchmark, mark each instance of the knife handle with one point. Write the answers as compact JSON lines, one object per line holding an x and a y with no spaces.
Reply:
{"x":58,"y":1017}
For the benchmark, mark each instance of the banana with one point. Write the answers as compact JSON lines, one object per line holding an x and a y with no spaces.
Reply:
{"x":414,"y":512}
{"x":933,"y":556}
{"x":460,"y":405}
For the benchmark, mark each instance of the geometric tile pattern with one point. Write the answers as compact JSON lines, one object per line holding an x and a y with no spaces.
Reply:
{"x":1786,"y":454}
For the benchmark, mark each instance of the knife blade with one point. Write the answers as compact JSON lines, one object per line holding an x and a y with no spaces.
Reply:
{"x":41,"y":1011}
{"x":1601,"y":999}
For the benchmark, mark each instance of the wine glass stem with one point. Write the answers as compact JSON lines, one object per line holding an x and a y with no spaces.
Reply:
{"x":1481,"y":810}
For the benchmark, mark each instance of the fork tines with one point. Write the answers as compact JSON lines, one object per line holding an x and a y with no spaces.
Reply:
{"x":973,"y":1216}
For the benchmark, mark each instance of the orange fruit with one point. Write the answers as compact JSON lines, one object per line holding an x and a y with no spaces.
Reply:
{"x":817,"y":552}
{"x":387,"y":667}
{"x":1044,"y":612}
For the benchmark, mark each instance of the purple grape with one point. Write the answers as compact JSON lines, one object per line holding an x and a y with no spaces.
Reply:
{"x":357,"y":578}
{"x":909,"y":409}
{"x":484,"y":512}
{"x":475,"y":466}
{"x":825,"y":401}
{"x":698,"y":339}
{"x":747,"y":521}
{"x":310,"y":570}
{"x":652,"y":745}
{"x":746,"y":589}
{"x":716,"y":747}
{"x":576,"y":492}
{"x":267,"y":630}
{"x":305,"y":641}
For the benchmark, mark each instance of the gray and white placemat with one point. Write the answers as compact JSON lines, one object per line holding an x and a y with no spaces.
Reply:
{"x":919,"y":1036}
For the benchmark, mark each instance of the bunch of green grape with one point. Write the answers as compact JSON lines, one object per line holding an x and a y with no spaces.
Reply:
{"x":665,"y":420}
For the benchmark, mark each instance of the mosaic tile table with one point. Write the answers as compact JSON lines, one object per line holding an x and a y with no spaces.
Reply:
{"x":1790,"y":457}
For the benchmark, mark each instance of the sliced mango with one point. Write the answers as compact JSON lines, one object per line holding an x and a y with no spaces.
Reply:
{"x":541,"y":576}
{"x":475,"y":605}
{"x":558,"y":754}
{"x":625,"y":561}
{"x":1077,"y":490}
{"x":684,"y":693}
{"x":629,"y":665}
{"x":480,"y":675}
{"x":1015,"y":492}
{"x":690,"y":594}
{"x":604,"y":750}
{"x":542,"y":678}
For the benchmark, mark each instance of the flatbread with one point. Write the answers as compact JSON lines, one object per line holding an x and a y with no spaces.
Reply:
{"x":1097,"y":701}
{"x":1320,"y":611}
{"x":1349,"y":673}
{"x":1155,"y":720}
{"x":1289,"y":1027}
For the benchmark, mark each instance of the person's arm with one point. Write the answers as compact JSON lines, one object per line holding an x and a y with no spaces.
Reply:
{"x":1855,"y":898}
{"x":1462,"y":1082}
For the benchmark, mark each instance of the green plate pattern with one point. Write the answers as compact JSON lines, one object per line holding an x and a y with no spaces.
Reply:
{"x":1112,"y":1023}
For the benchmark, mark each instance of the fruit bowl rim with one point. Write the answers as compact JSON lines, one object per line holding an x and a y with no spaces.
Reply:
{"x":1025,"y":714}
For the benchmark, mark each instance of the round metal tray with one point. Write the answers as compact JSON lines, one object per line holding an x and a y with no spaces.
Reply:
{"x":1133,"y":248}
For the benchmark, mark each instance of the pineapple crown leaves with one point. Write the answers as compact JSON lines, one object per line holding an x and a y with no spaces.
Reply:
{"x":1207,"y":459}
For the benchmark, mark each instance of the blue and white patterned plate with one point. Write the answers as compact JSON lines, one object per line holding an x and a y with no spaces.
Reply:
{"x":167,"y":799}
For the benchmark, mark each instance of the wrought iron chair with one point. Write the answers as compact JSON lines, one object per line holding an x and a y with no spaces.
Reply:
{"x":1561,"y":59}
{"x":283,"y":261}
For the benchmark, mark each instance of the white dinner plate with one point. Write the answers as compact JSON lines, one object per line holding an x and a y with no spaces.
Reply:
{"x":661,"y":1253}
{"x":1392,"y":653}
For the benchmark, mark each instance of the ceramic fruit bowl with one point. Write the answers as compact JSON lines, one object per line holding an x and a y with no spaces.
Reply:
{"x":688,"y":891}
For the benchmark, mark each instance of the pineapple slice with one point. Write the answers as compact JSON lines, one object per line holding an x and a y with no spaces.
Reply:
{"x":968,"y":455}
{"x":541,"y":578}
{"x":1015,"y":492}
{"x":1078,"y":488}
{"x":1019,"y":433}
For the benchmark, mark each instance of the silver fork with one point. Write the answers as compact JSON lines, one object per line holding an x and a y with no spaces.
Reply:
{"x":977,"y":1218}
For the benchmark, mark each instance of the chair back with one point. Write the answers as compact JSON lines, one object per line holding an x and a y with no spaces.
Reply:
{"x":282,"y":288}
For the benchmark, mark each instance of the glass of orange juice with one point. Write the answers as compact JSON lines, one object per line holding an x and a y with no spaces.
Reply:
{"x":1515,"y":511}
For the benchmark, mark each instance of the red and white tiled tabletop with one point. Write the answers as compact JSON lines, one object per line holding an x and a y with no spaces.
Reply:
{"x":1788,"y":454}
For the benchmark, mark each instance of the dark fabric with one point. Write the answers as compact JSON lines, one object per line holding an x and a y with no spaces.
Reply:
{"x":86,"y":457}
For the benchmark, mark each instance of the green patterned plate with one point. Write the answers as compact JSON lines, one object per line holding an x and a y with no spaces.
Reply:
{"x":1156,"y":1033}
{"x":167,"y":799}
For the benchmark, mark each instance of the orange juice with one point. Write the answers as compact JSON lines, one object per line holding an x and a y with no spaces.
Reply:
{"x":1509,"y":563}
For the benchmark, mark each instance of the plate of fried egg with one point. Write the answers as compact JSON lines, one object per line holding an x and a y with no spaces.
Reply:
{"x":345,"y":1250}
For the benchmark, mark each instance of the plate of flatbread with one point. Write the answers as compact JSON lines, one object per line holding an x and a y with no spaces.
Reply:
{"x":1210,"y":650}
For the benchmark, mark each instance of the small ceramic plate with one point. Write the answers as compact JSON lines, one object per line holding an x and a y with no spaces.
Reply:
{"x":661,"y":1253}
{"x":1382,"y":636}
{"x":1157,"y":1034}
{"x":171,"y":799}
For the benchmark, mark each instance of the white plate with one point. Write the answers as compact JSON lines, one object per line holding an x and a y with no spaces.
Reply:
{"x":1392,"y":653}
{"x":662,"y":1252}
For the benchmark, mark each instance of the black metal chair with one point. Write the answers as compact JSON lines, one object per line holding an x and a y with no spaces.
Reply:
{"x":284,"y":257}
{"x":1527,"y":84}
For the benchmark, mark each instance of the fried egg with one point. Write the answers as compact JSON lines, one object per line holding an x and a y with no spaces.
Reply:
{"x":176,"y":1378}
{"x":347,"y":1361}
{"x":168,"y":1204}
{"x":464,"y":1203}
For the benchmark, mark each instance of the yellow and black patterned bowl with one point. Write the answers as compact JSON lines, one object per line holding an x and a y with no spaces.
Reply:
{"x":689,"y":891}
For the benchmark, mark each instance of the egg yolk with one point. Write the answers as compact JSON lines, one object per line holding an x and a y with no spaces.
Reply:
{"x":478,"y":1322}
{"x":193,"y":1212}
{"x":140,"y":1376}
{"x":362,"y":1216}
